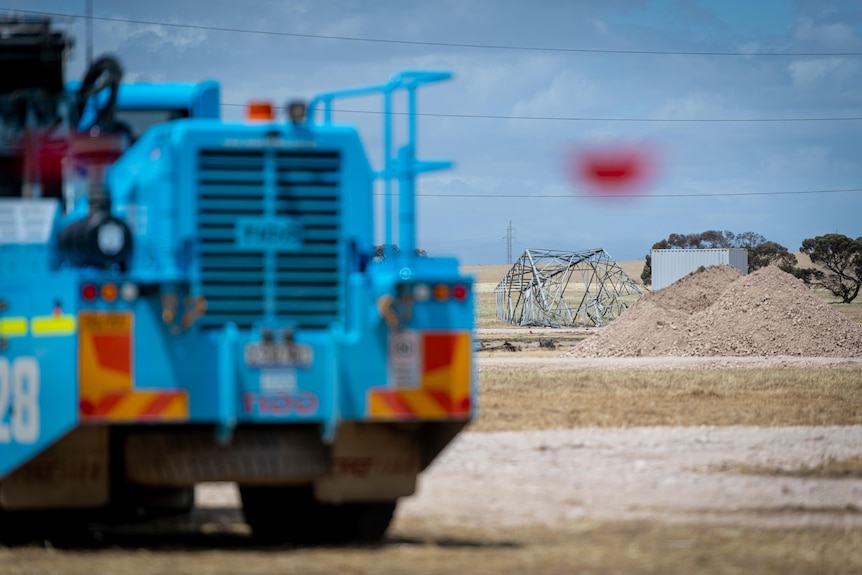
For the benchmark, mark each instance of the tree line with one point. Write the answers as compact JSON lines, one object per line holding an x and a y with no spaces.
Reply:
{"x":840,"y":255}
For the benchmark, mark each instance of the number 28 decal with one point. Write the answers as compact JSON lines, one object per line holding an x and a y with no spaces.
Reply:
{"x":19,"y":400}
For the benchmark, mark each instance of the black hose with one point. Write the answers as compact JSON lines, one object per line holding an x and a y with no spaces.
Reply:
{"x":105,"y":72}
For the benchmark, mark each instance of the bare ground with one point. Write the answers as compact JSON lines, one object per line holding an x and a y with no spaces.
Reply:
{"x":689,"y":475}
{"x":512,"y":361}
{"x":742,"y":476}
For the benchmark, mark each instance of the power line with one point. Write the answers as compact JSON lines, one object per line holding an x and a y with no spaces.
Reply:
{"x":594,"y":119}
{"x":642,"y":196}
{"x":597,"y":119}
{"x":437,"y":44}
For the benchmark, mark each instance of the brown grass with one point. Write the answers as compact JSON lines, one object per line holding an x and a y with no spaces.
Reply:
{"x":524,"y":399}
{"x":831,"y":469}
{"x":642,"y":547}
{"x":421,"y":547}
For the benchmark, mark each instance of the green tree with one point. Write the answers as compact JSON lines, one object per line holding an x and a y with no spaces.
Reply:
{"x":761,"y":252}
{"x":646,"y":274}
{"x":770,"y":253}
{"x":842,"y":257}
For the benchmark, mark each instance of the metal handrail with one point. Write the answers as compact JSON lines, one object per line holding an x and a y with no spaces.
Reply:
{"x":402,"y":166}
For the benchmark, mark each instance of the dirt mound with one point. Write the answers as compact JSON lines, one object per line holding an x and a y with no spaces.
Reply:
{"x":717,"y":311}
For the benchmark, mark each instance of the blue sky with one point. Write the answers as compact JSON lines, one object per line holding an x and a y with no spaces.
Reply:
{"x":516,"y":169}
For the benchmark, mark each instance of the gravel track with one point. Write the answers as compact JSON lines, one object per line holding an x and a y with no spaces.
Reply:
{"x":673,"y":474}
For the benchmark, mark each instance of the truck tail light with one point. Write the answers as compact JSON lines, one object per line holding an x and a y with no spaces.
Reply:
{"x":460,"y":292}
{"x":89,"y":292}
{"x":129,"y":292}
{"x":109,"y":292}
{"x":421,"y":292}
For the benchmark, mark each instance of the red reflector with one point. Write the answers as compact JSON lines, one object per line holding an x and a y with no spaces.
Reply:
{"x":459,"y":292}
{"x":89,"y":292}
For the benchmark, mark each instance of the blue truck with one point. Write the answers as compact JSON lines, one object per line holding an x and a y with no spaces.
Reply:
{"x":185,"y":299}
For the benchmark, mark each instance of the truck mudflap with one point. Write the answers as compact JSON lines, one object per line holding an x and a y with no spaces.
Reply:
{"x":38,"y":391}
{"x":429,"y":377}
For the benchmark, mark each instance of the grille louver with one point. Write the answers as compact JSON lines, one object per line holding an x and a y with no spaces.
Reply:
{"x":303,"y":286}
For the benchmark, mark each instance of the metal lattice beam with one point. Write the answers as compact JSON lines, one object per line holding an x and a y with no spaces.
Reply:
{"x":555,"y":288}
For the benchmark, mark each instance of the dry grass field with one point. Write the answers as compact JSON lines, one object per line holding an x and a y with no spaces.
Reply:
{"x":418,"y":547}
{"x":515,"y":400}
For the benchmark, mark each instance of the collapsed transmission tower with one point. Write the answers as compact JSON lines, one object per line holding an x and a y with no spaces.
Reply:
{"x":555,"y":288}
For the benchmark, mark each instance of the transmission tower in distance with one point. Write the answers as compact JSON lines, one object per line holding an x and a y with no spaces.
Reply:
{"x":553,"y":288}
{"x":510,"y":237}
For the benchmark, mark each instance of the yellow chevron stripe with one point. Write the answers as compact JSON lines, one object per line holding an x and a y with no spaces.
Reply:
{"x":131,"y":406}
{"x":376,"y":405}
{"x":177,"y":409}
{"x":421,"y":403}
{"x":13,"y":326}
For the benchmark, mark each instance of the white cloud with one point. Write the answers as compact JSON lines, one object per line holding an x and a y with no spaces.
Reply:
{"x":113,"y":35}
{"x":692,"y":105}
{"x":799,"y":160}
{"x":831,"y":35}
{"x":809,"y":72}
{"x":599,"y":25}
{"x":563,"y":93}
{"x":143,"y":77}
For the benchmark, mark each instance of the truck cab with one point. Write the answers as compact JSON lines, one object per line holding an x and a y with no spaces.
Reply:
{"x":203,"y":303}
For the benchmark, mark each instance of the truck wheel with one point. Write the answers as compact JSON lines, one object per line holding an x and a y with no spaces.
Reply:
{"x":135,"y":503}
{"x":293,"y":515}
{"x":62,"y":528}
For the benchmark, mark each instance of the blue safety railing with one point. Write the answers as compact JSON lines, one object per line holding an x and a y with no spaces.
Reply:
{"x":403,"y":166}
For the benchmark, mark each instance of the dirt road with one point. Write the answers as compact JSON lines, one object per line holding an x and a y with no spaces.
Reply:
{"x":750,"y":476}
{"x":690,"y":474}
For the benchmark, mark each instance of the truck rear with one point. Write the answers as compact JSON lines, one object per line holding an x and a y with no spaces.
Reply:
{"x":204,"y":302}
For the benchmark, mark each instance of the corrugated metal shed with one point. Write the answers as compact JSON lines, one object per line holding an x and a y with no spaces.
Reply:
{"x":671,"y":265}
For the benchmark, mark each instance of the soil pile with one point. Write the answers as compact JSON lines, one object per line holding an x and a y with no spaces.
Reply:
{"x":717,"y":311}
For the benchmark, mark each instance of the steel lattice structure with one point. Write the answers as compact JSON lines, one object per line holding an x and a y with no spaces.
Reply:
{"x":534,"y":290}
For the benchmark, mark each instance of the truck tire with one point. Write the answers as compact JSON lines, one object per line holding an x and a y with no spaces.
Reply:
{"x":63,"y":528}
{"x":133,"y":503}
{"x":293,"y":515}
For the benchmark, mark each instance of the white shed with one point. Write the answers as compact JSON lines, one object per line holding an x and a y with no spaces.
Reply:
{"x":671,"y":265}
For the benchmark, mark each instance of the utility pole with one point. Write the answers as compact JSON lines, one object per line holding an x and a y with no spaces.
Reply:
{"x":510,"y":236}
{"x":88,"y":22}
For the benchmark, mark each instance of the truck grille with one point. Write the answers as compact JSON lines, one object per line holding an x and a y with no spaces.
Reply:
{"x":301,"y":284}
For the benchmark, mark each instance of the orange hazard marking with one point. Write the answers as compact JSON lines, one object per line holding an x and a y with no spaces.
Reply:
{"x":104,"y":352}
{"x":445,"y":389}
{"x":142,"y":405}
{"x":415,"y":404}
{"x":439,"y":349}
{"x":106,"y":374}
{"x":449,"y":370}
{"x":114,"y":351}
